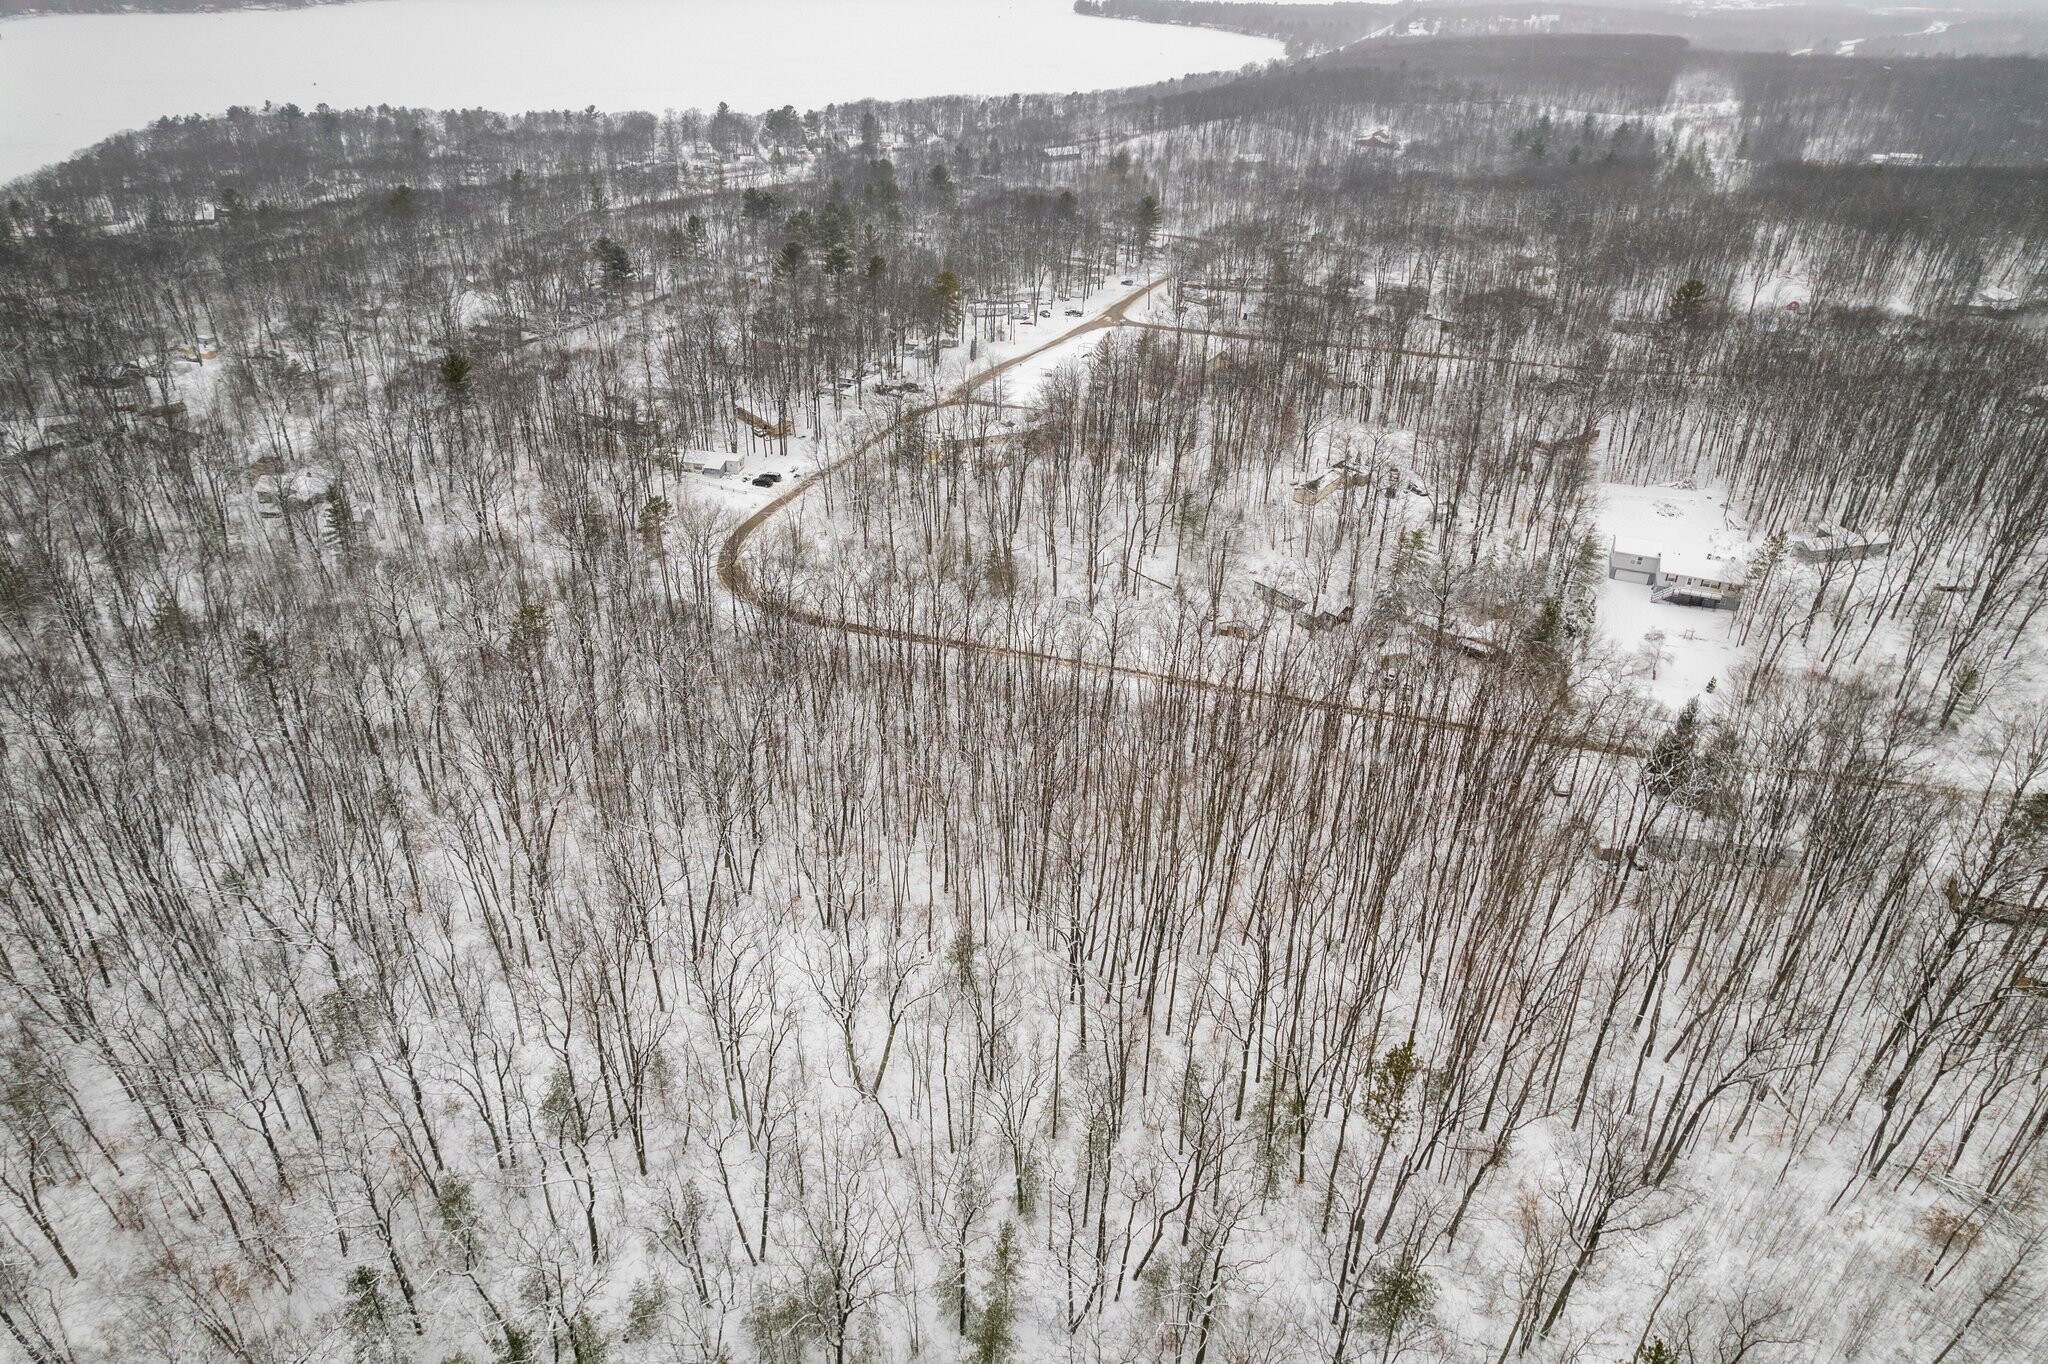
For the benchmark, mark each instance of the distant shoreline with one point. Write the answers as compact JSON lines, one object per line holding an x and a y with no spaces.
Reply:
{"x":15,"y":9}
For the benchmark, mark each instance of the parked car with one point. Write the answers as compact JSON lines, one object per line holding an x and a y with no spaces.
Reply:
{"x":767,"y":480}
{"x":1130,"y":281}
{"x":1045,"y":312}
{"x":1073,"y":312}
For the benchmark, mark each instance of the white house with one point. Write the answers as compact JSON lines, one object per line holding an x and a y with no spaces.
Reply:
{"x":1682,"y":580}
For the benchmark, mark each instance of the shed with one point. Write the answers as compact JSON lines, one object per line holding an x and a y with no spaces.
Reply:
{"x":1827,"y":543}
{"x":1278,"y":598}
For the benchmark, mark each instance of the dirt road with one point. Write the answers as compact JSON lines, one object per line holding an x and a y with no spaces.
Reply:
{"x":733,"y":575}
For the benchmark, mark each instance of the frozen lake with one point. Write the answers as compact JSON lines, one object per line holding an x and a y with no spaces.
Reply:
{"x":67,"y":81}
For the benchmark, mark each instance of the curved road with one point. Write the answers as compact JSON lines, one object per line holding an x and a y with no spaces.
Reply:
{"x":733,"y":575}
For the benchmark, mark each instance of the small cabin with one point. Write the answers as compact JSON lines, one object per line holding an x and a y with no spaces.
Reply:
{"x":1312,"y":491}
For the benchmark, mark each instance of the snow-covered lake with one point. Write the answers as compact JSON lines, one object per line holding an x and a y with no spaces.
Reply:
{"x":67,"y":81}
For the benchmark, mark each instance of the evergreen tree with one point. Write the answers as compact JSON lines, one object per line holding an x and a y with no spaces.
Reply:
{"x":1655,"y":1351}
{"x":341,"y":521}
{"x":1688,"y":305}
{"x":613,"y":263}
{"x":456,"y":373}
{"x":1397,"y":1295}
{"x":945,"y":300}
{"x":1386,"y":1095}
{"x":1148,"y":216}
{"x":365,"y":1315}
{"x":992,"y":1334}
{"x":1674,"y":758}
{"x":514,"y":1345}
{"x":1582,"y":588}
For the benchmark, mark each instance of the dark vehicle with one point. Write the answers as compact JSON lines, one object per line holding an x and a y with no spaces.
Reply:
{"x":1130,"y":281}
{"x":1073,"y":312}
{"x":767,"y":480}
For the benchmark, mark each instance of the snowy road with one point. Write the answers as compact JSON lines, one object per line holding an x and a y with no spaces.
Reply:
{"x":733,"y":575}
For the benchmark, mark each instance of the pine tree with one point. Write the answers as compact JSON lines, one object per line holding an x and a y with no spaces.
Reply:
{"x":992,"y":1334}
{"x":612,"y":262}
{"x":513,"y":1346}
{"x":365,"y":1315}
{"x":653,"y":521}
{"x":1655,"y":1351}
{"x":1148,"y":215}
{"x":1397,"y":1294}
{"x":1386,"y":1095}
{"x":456,"y":372}
{"x":1582,"y":589}
{"x":945,"y":297}
{"x":1688,"y":305}
{"x":341,"y":521}
{"x":1674,"y":758}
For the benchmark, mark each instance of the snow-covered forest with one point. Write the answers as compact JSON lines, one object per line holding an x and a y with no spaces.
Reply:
{"x":1016,"y":729}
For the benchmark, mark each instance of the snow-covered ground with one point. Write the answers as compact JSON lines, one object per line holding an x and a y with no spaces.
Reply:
{"x":1676,"y":650}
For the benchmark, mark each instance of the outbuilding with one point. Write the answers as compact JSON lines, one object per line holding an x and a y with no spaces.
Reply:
{"x":1827,"y":543}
